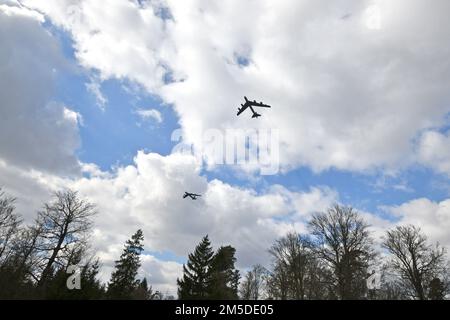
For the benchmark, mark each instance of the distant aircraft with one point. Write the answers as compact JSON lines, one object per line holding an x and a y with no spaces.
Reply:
{"x":251,"y":104}
{"x":192,"y":195}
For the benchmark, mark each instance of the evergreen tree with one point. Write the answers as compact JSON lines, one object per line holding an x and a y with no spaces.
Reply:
{"x":224,"y":277}
{"x":90,"y":286}
{"x":144,"y":292}
{"x":123,"y":283}
{"x":196,"y":278}
{"x":437,"y":290}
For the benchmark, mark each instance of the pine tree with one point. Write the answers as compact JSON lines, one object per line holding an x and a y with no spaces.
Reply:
{"x":91,"y":287}
{"x":196,"y":278}
{"x":437,"y":290}
{"x":143,"y":292}
{"x":224,"y":277}
{"x":123,"y":283}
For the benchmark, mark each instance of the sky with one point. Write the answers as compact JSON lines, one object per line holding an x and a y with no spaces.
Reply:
{"x":105,"y":96}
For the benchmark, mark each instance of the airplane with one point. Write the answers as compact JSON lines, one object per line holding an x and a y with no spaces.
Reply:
{"x":192,"y":195}
{"x":251,"y":104}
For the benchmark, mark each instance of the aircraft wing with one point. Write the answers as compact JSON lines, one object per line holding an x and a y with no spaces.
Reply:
{"x":259,"y":104}
{"x":243,"y":108}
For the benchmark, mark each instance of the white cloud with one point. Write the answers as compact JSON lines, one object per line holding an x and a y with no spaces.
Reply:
{"x":317,"y":200}
{"x":148,"y":195}
{"x":28,"y":186}
{"x":13,"y":8}
{"x":34,"y":132}
{"x":122,"y":44}
{"x":94,"y":87}
{"x":433,"y":217}
{"x":161,"y":274}
{"x":343,"y":95}
{"x":147,"y":114}
{"x":72,"y":116}
{"x":434,"y":151}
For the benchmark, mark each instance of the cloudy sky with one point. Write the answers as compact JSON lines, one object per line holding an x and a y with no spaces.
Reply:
{"x":96,"y":95}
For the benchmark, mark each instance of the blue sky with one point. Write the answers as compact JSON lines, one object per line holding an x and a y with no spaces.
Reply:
{"x":112,"y":135}
{"x":362,"y":111}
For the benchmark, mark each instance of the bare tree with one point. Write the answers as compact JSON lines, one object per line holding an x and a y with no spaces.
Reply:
{"x":9,"y":226}
{"x":291,"y":256}
{"x":319,"y":283}
{"x":278,"y":283}
{"x":297,"y":272}
{"x":252,"y":286}
{"x":343,"y":242}
{"x":63,"y":224}
{"x":26,"y":258}
{"x":416,"y":262}
{"x":20,"y":256}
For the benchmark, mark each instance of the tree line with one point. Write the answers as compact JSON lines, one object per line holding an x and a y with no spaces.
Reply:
{"x":336,"y":259}
{"x":35,"y":259}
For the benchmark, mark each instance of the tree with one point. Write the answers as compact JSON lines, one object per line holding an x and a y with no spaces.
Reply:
{"x":437,"y":290}
{"x":27,"y":256}
{"x":123,"y":283}
{"x":297,"y":273}
{"x":144,"y":292}
{"x":19,"y":272}
{"x":9,"y":226}
{"x":91,"y":288}
{"x":383,"y":284}
{"x":291,"y":257}
{"x":415,"y":262}
{"x":224,"y":277}
{"x":12,"y":281}
{"x":278,"y":283}
{"x":343,"y":242}
{"x":63,"y":224}
{"x":319,"y":282}
{"x":254,"y":282}
{"x":35,"y":258}
{"x":196,"y":272}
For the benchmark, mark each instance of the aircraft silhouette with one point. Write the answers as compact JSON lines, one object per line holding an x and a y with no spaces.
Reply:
{"x":192,"y":195}
{"x":251,"y":104}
